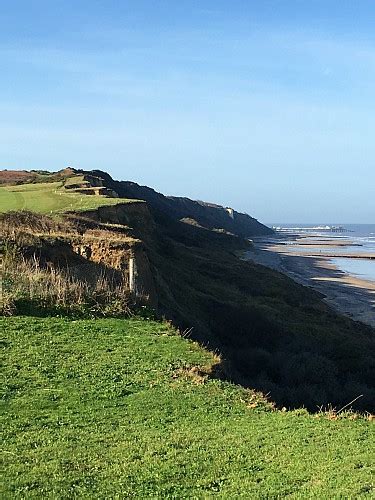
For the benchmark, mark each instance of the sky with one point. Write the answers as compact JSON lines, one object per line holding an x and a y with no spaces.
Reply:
{"x":267,"y":106}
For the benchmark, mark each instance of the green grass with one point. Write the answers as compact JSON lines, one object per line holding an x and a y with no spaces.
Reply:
{"x":76,"y":179}
{"x":102,"y":409}
{"x":49,"y":198}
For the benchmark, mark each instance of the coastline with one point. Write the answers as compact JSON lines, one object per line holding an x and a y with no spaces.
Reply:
{"x":347,"y":294}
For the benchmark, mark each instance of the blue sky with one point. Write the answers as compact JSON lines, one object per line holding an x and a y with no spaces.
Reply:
{"x":266,"y":105}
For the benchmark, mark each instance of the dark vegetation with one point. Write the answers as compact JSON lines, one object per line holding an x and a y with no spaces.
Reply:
{"x":14,"y":177}
{"x":274,"y":335}
{"x":207,"y":215}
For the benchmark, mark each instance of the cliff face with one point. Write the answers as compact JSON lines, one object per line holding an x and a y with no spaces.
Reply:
{"x":103,"y":243}
{"x":124,"y":249}
{"x":134,"y":215}
{"x":216,"y":217}
{"x":206,"y":215}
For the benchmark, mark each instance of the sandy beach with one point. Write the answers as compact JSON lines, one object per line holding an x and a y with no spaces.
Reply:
{"x":349,"y":295}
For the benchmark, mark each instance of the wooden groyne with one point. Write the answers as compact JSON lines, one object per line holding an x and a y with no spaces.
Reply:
{"x":365,"y":256}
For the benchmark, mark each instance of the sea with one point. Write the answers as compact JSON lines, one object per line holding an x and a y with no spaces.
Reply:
{"x":359,"y":239}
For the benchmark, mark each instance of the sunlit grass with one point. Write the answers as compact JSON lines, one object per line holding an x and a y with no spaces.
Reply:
{"x":119,"y":409}
{"x":50,"y":198}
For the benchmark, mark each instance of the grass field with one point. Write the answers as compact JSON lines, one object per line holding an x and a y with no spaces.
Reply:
{"x":49,"y":198}
{"x":113,"y":409}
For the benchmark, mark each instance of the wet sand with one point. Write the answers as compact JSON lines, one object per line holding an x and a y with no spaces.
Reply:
{"x":347,"y":294}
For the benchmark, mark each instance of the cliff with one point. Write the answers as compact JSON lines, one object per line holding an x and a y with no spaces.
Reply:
{"x":206,"y":215}
{"x":274,"y":335}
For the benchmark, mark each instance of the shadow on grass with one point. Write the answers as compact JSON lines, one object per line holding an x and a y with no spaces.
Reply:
{"x":274,"y":335}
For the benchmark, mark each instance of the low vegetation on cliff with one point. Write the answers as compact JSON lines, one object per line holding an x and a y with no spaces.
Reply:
{"x":129,"y":409}
{"x":275,"y":335}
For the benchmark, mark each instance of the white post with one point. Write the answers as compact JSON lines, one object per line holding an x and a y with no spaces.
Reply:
{"x":132,"y":274}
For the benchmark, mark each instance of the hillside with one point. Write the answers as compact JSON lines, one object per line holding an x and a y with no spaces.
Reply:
{"x":274,"y":335}
{"x":63,"y":191}
{"x":129,"y":409}
{"x":199,"y":213}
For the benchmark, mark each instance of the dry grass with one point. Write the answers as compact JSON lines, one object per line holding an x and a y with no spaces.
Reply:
{"x":25,"y":279}
{"x":24,"y":228}
{"x":25,"y":284}
{"x":16,"y":225}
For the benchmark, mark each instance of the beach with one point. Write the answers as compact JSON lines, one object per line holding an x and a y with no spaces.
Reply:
{"x":300,"y":260}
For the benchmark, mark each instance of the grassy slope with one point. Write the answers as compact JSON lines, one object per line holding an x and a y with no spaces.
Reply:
{"x":49,"y":197}
{"x":99,"y":409}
